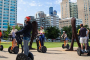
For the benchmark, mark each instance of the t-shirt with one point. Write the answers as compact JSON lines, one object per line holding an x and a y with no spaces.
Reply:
{"x":82,"y":32}
{"x":0,"y":34}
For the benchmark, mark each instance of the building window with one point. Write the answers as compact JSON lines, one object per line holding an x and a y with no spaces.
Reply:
{"x":5,"y":27}
{"x":5,"y":23}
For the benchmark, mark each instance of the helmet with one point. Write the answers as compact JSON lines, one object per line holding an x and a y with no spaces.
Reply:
{"x":63,"y":31}
{"x":27,"y":18}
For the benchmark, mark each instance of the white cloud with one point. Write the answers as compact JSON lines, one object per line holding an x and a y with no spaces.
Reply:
{"x":25,"y":10}
{"x":47,"y":14}
{"x":18,"y":8}
{"x":32,"y":4}
{"x":59,"y":14}
{"x":49,"y":3}
{"x":73,"y":0}
{"x":58,"y":1}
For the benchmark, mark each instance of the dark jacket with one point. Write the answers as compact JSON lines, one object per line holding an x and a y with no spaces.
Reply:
{"x":26,"y":31}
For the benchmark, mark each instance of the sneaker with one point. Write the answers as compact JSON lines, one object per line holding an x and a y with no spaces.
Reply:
{"x":82,"y":51}
{"x":86,"y":51}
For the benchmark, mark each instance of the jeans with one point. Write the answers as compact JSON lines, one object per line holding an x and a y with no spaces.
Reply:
{"x":41,"y":38}
{"x":26,"y":48}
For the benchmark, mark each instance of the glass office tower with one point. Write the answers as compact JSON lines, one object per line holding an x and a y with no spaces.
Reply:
{"x":8,"y":13}
{"x":51,"y":11}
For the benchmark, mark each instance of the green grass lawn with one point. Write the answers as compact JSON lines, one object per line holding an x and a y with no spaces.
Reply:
{"x":47,"y":44}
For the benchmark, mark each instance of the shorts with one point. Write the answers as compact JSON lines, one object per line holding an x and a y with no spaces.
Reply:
{"x":83,"y":39}
{"x":66,"y":39}
{"x":13,"y":38}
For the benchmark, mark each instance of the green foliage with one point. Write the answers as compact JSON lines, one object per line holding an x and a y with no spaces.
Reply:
{"x":18,"y":28}
{"x":78,"y":27}
{"x":52,"y":32}
{"x":6,"y":33}
{"x":68,"y":31}
{"x":86,"y":26}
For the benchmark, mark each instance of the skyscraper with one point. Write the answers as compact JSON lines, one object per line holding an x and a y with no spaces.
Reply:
{"x":8,"y":13}
{"x":84,"y":11}
{"x":51,"y":11}
{"x":54,"y":12}
{"x":68,"y":9}
{"x":41,"y":19}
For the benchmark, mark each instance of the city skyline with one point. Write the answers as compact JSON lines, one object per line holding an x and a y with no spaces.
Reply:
{"x":24,"y":8}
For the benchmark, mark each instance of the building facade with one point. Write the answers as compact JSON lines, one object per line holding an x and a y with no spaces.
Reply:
{"x":32,"y":19}
{"x":67,"y":22}
{"x":84,"y":11}
{"x":68,"y":9}
{"x":54,"y":12}
{"x":41,"y":20}
{"x":8,"y":13}
{"x":19,"y":25}
{"x":53,"y":20}
{"x":51,"y":11}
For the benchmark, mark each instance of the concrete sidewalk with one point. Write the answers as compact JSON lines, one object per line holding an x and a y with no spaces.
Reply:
{"x":52,"y":54}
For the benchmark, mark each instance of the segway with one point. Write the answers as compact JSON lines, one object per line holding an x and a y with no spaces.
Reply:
{"x":42,"y":49}
{"x":22,"y":56}
{"x":1,"y":46}
{"x":64,"y":45}
{"x":12,"y":49}
{"x":79,"y":52}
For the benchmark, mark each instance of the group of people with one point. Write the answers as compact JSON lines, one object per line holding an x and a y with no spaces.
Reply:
{"x":26,"y":32}
{"x":84,"y":37}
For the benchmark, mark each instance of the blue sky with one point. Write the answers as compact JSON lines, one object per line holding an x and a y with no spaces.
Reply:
{"x":31,"y":7}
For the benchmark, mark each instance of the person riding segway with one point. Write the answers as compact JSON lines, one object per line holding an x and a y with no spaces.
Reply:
{"x":14,"y":48}
{"x":41,"y":47}
{"x":83,"y":40}
{"x":26,"y":31}
{"x":1,"y":46}
{"x":65,"y":39}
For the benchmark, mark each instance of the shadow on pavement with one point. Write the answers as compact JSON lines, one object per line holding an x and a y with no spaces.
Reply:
{"x":4,"y":51}
{"x":55,"y":53}
{"x":55,"y":50}
{"x":3,"y":57}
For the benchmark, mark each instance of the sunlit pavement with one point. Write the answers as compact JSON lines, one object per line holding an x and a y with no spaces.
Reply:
{"x":52,"y":54}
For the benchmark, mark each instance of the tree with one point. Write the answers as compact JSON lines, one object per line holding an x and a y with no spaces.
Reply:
{"x":17,"y":27}
{"x":68,"y":31}
{"x":52,"y":32}
{"x":8,"y":31}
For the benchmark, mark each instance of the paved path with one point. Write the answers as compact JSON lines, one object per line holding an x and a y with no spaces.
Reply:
{"x":52,"y":54}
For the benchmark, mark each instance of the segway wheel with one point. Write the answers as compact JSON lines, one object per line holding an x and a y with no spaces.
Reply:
{"x":62,"y":45}
{"x":1,"y":48}
{"x":43,"y":49}
{"x":21,"y":56}
{"x":38,"y":49}
{"x":88,"y":52}
{"x":79,"y":51}
{"x":67,"y":46}
{"x":9,"y":50}
{"x":16,"y":50}
{"x":30,"y":55}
